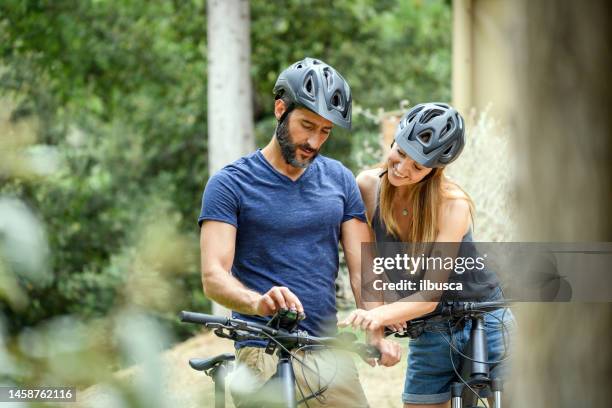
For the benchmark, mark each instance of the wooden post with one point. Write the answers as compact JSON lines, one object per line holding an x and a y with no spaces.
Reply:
{"x":230,"y":109}
{"x":563,"y":354}
{"x":462,"y":77}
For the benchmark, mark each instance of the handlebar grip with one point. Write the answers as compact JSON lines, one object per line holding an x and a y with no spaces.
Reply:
{"x":201,"y":318}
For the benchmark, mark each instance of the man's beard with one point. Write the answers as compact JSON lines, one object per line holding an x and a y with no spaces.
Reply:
{"x":289,"y":149}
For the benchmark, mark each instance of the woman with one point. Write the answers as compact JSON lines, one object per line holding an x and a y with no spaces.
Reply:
{"x":408,"y":199}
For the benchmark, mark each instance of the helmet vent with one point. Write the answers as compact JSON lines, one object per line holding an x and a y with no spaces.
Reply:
{"x":316,"y":62}
{"x":308,"y":86}
{"x":446,"y":129}
{"x":428,"y":116}
{"x":328,"y":77}
{"x":448,"y":150}
{"x":424,"y":137}
{"x":299,"y":66}
{"x":336,"y":100}
{"x":413,"y":115}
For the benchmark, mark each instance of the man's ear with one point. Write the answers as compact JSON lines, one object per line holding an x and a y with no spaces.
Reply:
{"x":279,"y":108}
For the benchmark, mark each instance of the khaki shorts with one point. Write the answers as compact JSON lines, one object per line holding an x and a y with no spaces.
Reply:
{"x":334,"y":369}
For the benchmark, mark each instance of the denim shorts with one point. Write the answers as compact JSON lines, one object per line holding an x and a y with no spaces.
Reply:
{"x":430,"y":372}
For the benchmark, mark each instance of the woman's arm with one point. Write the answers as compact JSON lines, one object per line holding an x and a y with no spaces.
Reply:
{"x":453,"y":221}
{"x":354,"y":233}
{"x":367,"y":181}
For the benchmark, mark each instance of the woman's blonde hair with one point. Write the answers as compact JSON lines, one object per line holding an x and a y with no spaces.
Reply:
{"x":424,"y":201}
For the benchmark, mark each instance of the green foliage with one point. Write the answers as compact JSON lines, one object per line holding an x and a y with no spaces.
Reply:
{"x":388,"y":51}
{"x":119,"y":90}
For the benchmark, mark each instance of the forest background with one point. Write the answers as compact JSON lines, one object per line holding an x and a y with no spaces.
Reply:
{"x":103,"y":136}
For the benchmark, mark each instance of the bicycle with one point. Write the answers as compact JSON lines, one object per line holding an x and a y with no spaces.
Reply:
{"x":475,"y":367}
{"x":282,"y":337}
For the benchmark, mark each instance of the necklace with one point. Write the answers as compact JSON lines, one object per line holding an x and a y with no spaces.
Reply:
{"x":405,"y":211}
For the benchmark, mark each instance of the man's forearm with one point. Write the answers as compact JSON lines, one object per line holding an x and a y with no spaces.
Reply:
{"x":356,"y":287}
{"x":223,"y":288}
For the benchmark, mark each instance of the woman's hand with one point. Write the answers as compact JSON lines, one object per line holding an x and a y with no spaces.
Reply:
{"x":363,"y":319}
{"x":398,"y":327}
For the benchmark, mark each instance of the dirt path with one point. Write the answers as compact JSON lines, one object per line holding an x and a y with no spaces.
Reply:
{"x":184,"y":387}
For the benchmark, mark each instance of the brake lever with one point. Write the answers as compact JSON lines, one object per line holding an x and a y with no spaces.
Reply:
{"x":221,"y":332}
{"x":217,"y":326}
{"x":413,"y":330}
{"x":400,"y":334}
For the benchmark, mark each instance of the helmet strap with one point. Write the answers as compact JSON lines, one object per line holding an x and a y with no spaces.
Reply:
{"x":288,"y":109}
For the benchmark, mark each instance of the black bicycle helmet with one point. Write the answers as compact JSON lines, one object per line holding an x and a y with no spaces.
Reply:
{"x":433,"y":134}
{"x":317,"y":86}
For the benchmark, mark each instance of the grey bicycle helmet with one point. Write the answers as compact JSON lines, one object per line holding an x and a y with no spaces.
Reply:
{"x":317,"y":86}
{"x":433,"y":134}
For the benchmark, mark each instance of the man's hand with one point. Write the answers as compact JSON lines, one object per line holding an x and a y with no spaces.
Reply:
{"x":278,"y":297}
{"x":369,"y":320}
{"x":390,"y":352}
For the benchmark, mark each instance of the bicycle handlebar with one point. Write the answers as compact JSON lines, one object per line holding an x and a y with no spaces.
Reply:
{"x":199,"y":318}
{"x":244,"y":330}
{"x":449,"y":310}
{"x":458,"y":309}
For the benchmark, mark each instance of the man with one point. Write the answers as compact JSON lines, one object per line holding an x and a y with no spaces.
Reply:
{"x":271,"y":223}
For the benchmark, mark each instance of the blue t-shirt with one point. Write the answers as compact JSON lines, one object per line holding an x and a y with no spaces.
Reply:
{"x":287,"y":231}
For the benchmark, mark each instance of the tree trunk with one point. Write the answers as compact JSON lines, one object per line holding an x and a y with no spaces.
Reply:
{"x":563,"y":357}
{"x":230,"y":110}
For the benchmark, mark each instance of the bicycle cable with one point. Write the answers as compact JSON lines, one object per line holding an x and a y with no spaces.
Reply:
{"x":505,"y":333}
{"x":304,"y":365}
{"x":505,"y":355}
{"x":450,"y":354}
{"x":287,"y":350}
{"x":452,"y":348}
{"x":293,"y":357}
{"x":318,"y":393}
{"x":313,"y":394}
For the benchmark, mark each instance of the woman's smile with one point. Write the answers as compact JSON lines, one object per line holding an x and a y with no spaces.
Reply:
{"x":396,"y":171}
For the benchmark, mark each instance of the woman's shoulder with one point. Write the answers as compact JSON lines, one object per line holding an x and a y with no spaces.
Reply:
{"x":368,"y":179}
{"x":452,"y":192}
{"x":456,"y":206}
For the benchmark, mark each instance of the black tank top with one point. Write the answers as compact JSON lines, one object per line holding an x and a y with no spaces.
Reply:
{"x":478,"y":284}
